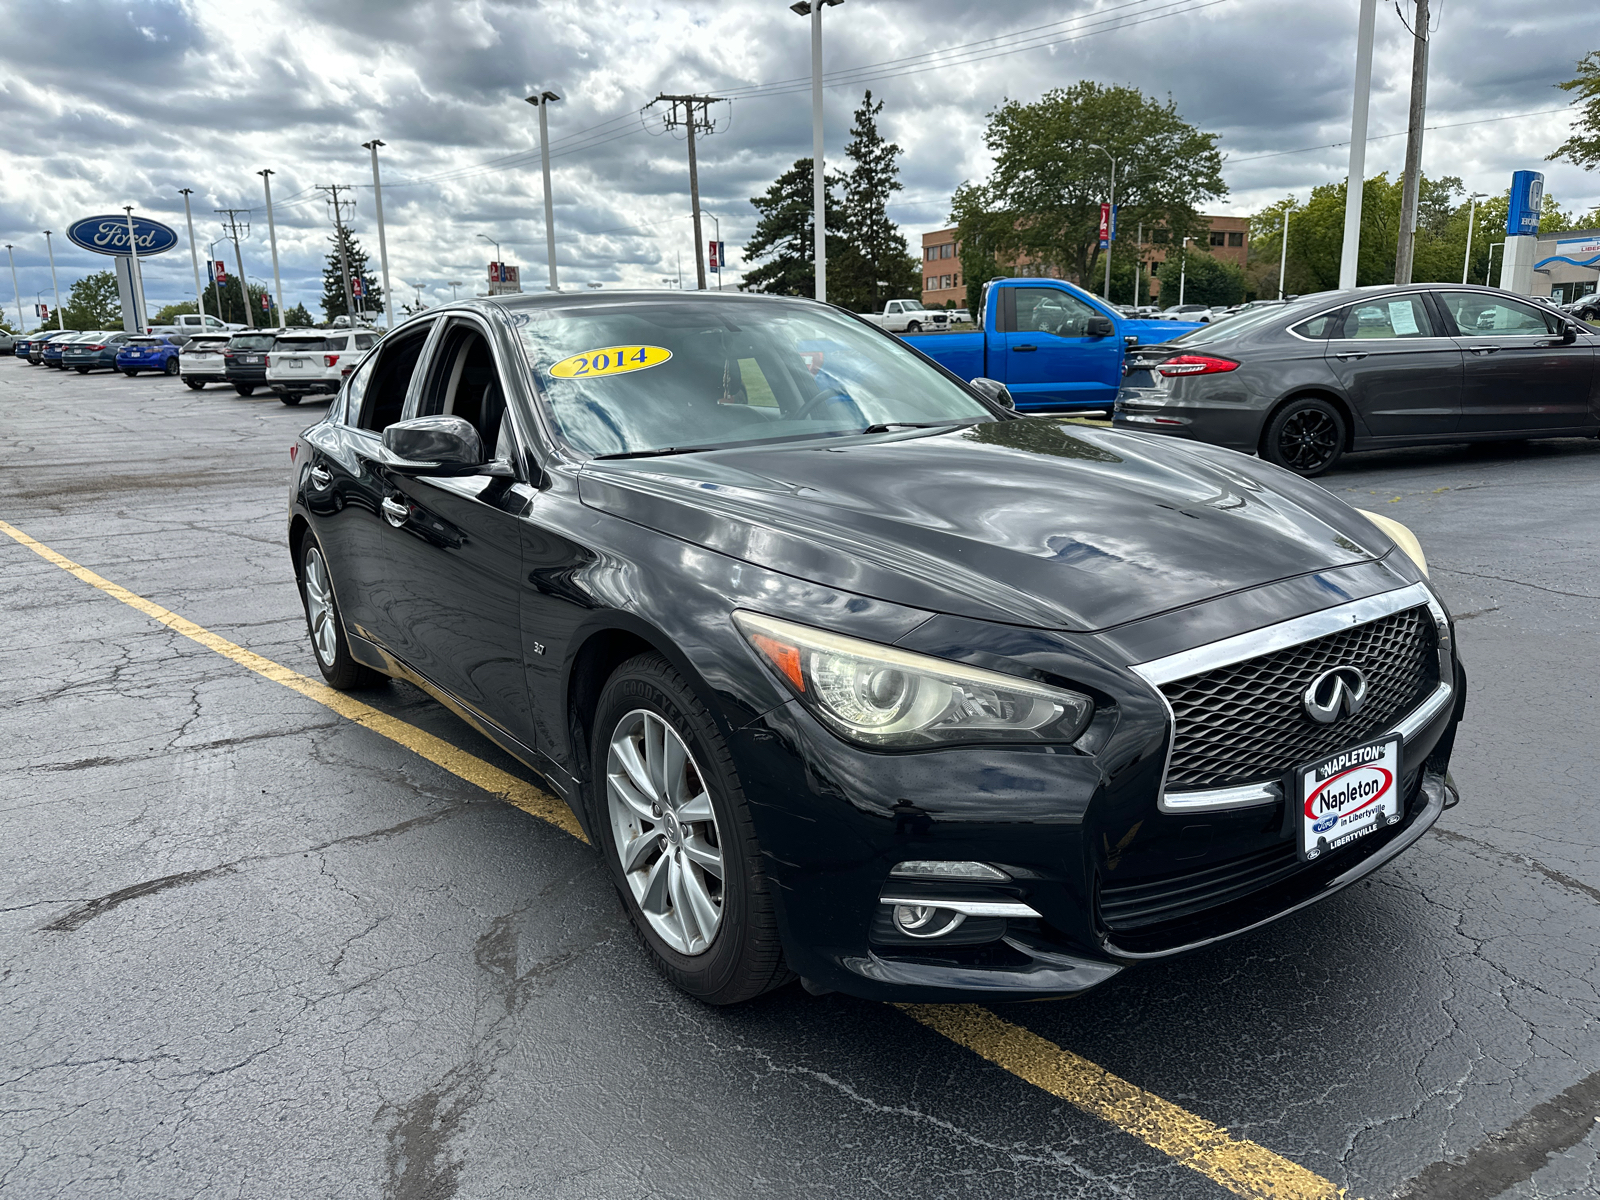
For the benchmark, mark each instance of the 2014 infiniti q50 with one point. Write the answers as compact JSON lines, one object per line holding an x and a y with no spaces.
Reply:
{"x":850,"y":672}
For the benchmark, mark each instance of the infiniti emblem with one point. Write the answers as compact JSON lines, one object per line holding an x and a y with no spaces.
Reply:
{"x":1335,"y":694}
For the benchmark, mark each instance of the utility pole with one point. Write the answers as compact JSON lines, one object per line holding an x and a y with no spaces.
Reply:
{"x":15,"y":290}
{"x":819,"y":187}
{"x":1358,"y":146}
{"x":684,"y":113}
{"x":232,"y":226}
{"x":60,"y":320}
{"x":272,"y":236}
{"x":194,"y":259}
{"x":1472,"y":212}
{"x":136,"y":276}
{"x":333,"y":190}
{"x":1138,"y":255}
{"x":383,"y":246}
{"x":542,"y":101}
{"x":1406,"y":249}
{"x":1111,"y":219}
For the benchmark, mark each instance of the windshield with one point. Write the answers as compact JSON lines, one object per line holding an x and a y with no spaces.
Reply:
{"x":639,"y":376}
{"x":912,"y":306}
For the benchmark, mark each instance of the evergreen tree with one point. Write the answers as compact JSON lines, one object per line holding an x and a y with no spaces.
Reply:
{"x":297,"y":315}
{"x":785,"y":234}
{"x":876,"y":264}
{"x":333,"y":304}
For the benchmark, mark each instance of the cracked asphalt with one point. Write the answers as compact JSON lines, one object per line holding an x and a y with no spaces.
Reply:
{"x":253,"y":949}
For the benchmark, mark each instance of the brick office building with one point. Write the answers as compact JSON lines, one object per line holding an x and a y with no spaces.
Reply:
{"x":1228,"y":239}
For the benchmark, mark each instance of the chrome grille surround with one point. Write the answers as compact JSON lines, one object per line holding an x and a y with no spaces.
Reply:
{"x":1235,"y":704}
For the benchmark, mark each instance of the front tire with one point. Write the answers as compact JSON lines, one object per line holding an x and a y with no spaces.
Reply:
{"x":914,"y":327}
{"x":1306,"y":436}
{"x":677,"y":836}
{"x":290,"y":400}
{"x":81,"y":370}
{"x":326,"y":627}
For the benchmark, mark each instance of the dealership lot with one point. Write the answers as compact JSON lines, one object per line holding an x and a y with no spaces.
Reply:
{"x":255,"y":946}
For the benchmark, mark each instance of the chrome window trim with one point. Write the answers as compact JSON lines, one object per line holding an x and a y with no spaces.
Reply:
{"x":1270,"y":638}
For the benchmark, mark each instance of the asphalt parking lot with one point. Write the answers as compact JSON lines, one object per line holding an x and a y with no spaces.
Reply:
{"x":261,"y":942}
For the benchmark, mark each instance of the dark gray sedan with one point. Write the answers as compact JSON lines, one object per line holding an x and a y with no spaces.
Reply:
{"x":1300,"y":384}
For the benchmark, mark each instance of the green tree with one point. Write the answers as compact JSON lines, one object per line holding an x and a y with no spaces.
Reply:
{"x":297,"y":316}
{"x":92,"y":303}
{"x":875,"y":264}
{"x":785,"y":235}
{"x":1583,"y":147}
{"x":333,"y":304}
{"x":1043,"y":199}
{"x":1201,"y":278}
{"x":170,"y":312}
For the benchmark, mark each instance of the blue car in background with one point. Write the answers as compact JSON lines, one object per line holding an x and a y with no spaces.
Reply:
{"x":39,"y":341}
{"x":150,"y":352}
{"x":50,"y":356}
{"x":93,"y":351}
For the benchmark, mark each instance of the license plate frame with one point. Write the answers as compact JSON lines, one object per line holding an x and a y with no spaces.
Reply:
{"x":1368,"y":800}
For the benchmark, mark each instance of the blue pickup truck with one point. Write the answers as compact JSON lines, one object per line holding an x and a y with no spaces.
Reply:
{"x":1053,"y":345}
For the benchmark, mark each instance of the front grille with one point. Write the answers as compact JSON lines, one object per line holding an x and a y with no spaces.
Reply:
{"x":1244,"y":723}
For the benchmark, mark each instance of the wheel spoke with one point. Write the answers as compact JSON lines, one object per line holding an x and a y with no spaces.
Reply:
{"x":655,"y":737}
{"x":688,"y":928}
{"x":705,"y":910}
{"x":674,"y":757}
{"x":707,"y":856}
{"x":638,"y":851}
{"x":655,"y":899}
{"x":622,"y":789}
{"x":697,"y":809}
{"x":627,"y":753}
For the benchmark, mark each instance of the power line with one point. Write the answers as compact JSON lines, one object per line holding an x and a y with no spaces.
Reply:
{"x":1400,"y":133}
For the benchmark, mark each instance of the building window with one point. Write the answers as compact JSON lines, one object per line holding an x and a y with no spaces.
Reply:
{"x":944,"y":250}
{"x":1218,"y":238}
{"x":933,"y":282}
{"x":1236,"y":239}
{"x":929,"y":252}
{"x":944,"y":281}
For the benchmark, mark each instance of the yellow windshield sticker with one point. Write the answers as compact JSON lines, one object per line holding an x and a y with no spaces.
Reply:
{"x":610,"y":360}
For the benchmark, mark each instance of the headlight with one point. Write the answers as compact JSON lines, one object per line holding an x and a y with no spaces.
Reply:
{"x":883,"y":697}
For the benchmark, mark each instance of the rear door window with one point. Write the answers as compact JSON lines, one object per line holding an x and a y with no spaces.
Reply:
{"x":1387,"y":319}
{"x":383,"y":398}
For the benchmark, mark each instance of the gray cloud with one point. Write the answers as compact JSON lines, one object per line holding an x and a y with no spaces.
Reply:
{"x":112,"y":103}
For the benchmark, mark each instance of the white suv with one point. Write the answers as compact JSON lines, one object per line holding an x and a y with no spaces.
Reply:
{"x":305,"y":362}
{"x":200,"y":360}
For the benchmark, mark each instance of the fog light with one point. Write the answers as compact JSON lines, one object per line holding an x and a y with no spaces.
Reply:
{"x":934,"y":869}
{"x":925,"y":920}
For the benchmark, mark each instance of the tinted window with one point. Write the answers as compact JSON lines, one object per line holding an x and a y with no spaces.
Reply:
{"x":384,"y":392}
{"x":252,"y":341}
{"x":1325,"y":325}
{"x":625,"y":376}
{"x":300,"y":345}
{"x":1480,"y":313}
{"x":1048,"y":310}
{"x":347,"y":405}
{"x":464,"y":382}
{"x":1387,"y":319}
{"x":366,"y":341}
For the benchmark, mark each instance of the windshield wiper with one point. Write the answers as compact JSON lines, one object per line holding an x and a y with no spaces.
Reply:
{"x":665,"y":450}
{"x":891,"y":426}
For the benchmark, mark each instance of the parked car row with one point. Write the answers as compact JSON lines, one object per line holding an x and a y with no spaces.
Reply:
{"x":293,"y":363}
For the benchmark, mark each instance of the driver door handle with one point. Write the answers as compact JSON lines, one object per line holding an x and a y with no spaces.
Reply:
{"x":321,"y":476}
{"x":1020,"y":349}
{"x":1483,"y":349}
{"x":1351,"y":354}
{"x":394,"y":512}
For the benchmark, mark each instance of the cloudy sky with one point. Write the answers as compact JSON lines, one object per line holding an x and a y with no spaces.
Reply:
{"x":112,"y":102}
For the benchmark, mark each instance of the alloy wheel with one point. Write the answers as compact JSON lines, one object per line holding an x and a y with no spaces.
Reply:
{"x":319,"y":608}
{"x":1309,"y":440}
{"x":665,"y":831}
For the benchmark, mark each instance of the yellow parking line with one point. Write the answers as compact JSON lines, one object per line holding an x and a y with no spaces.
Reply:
{"x":441,"y":753}
{"x":1243,"y":1167}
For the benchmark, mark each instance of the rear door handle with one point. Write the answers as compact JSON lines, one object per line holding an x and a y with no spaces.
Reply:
{"x":1023,"y":348}
{"x":1483,"y":349}
{"x":1352,"y":354}
{"x":321,"y":476}
{"x":394,"y":512}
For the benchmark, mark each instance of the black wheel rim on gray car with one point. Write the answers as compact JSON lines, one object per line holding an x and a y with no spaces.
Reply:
{"x":1308,"y":440}
{"x":665,"y":831}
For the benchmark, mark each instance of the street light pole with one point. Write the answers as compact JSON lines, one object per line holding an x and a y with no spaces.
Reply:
{"x":272,"y":236}
{"x":542,"y":102}
{"x":454,"y":284}
{"x":194,"y":259}
{"x":383,"y":247}
{"x":497,"y":257}
{"x":1111,"y":210}
{"x":716,"y":233}
{"x":1283,"y":252}
{"x":1358,"y":146}
{"x":1488,"y":272}
{"x":60,"y":320}
{"x":1472,"y":212}
{"x":15,"y":290}
{"x":1183,"y":271}
{"x":819,"y":188}
{"x":211,"y":270}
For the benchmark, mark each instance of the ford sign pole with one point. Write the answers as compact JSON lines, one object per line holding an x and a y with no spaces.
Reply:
{"x":383,"y":247}
{"x":542,"y":101}
{"x":194,"y":257}
{"x":60,"y":320}
{"x":819,"y":186}
{"x":138,"y":279}
{"x":1358,"y":146}
{"x":272,"y":236}
{"x":15,"y":291}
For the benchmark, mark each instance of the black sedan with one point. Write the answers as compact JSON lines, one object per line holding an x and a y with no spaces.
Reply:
{"x":1303,"y":383}
{"x":851,"y":673}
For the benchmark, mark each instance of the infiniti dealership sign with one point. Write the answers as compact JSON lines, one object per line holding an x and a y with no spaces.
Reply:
{"x":109,"y":235}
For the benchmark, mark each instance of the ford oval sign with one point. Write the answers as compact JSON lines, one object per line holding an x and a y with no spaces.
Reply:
{"x":109,"y":235}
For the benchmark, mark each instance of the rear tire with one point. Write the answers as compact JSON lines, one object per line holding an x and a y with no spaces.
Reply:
{"x":742,"y":957}
{"x":196,"y":384}
{"x":82,"y":370}
{"x":326,"y":627}
{"x":172,"y":366}
{"x":1305,"y":436}
{"x":291,"y":400}
{"x":129,"y":372}
{"x":244,"y":389}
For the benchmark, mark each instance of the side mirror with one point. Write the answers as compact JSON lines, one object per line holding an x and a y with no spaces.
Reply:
{"x":435,"y":446}
{"x":1569,"y":334}
{"x":1099,"y":327}
{"x":994,"y":391}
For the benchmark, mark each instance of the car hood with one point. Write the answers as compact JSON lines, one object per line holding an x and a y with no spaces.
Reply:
{"x":1032,"y":521}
